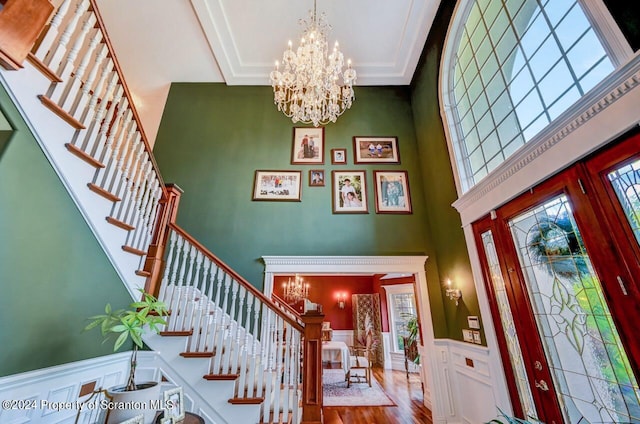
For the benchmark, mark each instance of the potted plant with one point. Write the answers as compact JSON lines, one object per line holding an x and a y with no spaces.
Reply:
{"x":507,"y":419}
{"x":122,"y":325}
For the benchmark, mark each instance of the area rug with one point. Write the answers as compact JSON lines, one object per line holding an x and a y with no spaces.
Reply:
{"x":336,"y":393}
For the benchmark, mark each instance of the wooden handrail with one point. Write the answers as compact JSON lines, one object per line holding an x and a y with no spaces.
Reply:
{"x":284,"y":304}
{"x":107,"y":40}
{"x":248,"y":286}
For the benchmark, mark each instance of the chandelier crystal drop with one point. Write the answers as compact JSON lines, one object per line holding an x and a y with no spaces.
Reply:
{"x":295,"y":290}
{"x":307,"y":88}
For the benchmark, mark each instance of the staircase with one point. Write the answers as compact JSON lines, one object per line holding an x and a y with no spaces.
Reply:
{"x":239,"y":356}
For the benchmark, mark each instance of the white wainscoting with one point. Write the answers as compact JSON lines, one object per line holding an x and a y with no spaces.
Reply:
{"x":62,"y":383}
{"x":468,"y":382}
{"x":345,"y":336}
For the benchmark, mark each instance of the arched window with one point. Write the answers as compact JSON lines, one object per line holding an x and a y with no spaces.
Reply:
{"x":511,"y":67}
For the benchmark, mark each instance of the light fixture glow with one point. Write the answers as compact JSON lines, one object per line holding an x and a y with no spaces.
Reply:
{"x":453,"y":294}
{"x":307,"y":90}
{"x":295,"y":290}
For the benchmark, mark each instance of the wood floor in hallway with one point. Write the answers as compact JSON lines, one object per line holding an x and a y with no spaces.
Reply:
{"x":407,"y":395}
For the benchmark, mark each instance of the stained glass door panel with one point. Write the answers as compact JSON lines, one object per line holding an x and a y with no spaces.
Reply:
{"x":625,"y":182}
{"x":592,"y":376}
{"x":516,"y":359}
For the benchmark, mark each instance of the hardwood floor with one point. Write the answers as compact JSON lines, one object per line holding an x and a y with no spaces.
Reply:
{"x":407,"y":395}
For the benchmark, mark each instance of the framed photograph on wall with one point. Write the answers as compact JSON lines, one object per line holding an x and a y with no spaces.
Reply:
{"x":308,"y":146}
{"x":174,"y":404}
{"x":392,"y":192}
{"x":338,"y":156}
{"x":349,"y":192}
{"x":277,"y":185}
{"x":375,"y":150}
{"x":316,"y":178}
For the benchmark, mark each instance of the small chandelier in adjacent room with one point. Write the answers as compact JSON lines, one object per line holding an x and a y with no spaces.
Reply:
{"x":307,"y":88}
{"x":295,"y":290}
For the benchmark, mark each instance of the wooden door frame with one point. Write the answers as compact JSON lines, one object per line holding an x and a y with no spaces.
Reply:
{"x":577,"y":182}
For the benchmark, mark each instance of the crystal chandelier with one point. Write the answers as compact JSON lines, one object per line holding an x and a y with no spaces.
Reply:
{"x":307,"y":90}
{"x":295,"y":290}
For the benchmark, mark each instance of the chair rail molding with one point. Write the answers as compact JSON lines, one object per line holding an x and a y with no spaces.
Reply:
{"x":61,"y":385}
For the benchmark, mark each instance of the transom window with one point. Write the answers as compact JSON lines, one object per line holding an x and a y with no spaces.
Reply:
{"x":517,"y":65}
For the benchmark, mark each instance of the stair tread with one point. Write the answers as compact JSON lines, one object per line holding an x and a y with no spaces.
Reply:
{"x":198,"y":354}
{"x":246,"y":401}
{"x":63,"y":114}
{"x":176,"y":333}
{"x":84,"y":155}
{"x":102,"y":192}
{"x":44,"y":69}
{"x":220,"y":376}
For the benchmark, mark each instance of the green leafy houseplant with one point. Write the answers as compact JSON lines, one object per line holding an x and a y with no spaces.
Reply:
{"x":413,"y":336}
{"x":130,"y":323}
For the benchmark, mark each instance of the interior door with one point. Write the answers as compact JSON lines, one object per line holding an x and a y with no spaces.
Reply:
{"x":568,"y":284}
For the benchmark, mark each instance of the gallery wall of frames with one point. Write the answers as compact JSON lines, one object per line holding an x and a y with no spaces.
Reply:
{"x":349,"y":188}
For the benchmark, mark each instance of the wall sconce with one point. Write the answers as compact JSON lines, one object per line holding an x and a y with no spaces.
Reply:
{"x":453,"y":294}
{"x":342,"y":300}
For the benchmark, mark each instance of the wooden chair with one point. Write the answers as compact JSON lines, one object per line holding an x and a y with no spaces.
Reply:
{"x":360,"y":358}
{"x":327,"y":332}
{"x":90,"y":410}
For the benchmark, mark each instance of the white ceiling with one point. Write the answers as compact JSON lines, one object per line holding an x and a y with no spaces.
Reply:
{"x":158,"y":42}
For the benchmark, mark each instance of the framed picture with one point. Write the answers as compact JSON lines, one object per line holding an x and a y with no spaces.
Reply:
{"x":174,"y":404}
{"x":308,"y":145}
{"x":277,"y":185}
{"x":392,"y":192}
{"x":338,"y":156}
{"x":316,"y":178}
{"x":138,"y":419}
{"x":376,"y":150}
{"x":349,"y":192}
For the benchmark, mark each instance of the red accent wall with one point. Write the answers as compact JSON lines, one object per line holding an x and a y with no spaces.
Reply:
{"x":324,"y":289}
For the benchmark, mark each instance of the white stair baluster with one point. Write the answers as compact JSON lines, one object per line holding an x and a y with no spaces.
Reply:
{"x":68,"y":63}
{"x":56,"y":54}
{"x":53,"y":31}
{"x":73,"y":90}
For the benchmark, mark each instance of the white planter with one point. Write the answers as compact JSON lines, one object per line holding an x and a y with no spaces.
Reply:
{"x":128,"y":404}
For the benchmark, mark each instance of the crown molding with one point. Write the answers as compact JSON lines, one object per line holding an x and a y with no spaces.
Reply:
{"x":344,"y":264}
{"x":395,"y":65}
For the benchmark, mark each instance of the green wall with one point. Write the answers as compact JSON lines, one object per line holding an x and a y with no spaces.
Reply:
{"x":627,"y":14}
{"x":5,"y":132}
{"x":451,"y":260}
{"x":53,"y":272}
{"x":213,"y":137}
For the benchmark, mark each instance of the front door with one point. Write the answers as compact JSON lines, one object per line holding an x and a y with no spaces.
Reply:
{"x":565,"y":292}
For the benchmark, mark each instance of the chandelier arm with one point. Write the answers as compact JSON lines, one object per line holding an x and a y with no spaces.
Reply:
{"x":307,"y":90}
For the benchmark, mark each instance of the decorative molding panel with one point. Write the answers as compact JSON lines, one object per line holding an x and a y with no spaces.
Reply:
{"x":233,"y":31}
{"x":35,"y":392}
{"x":337,"y":264}
{"x":466,"y":375}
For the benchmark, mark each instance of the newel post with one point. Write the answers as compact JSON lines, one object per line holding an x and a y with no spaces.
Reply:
{"x":312,"y":368}
{"x":154,"y":260}
{"x":21,"y":22}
